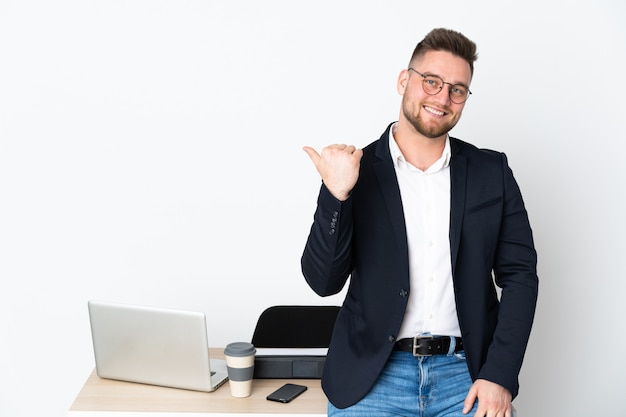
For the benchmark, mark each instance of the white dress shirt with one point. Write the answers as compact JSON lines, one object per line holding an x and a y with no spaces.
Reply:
{"x":426,"y":203}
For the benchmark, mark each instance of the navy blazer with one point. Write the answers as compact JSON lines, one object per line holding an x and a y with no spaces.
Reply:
{"x":364,"y":238}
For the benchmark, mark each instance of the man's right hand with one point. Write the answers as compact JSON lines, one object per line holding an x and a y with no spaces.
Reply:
{"x":338,"y":165}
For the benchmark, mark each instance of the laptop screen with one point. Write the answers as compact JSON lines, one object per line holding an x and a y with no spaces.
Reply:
{"x":152,"y":345}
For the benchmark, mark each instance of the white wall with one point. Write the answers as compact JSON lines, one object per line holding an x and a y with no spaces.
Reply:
{"x":150,"y":152}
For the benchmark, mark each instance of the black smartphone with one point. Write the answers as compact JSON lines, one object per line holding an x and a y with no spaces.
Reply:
{"x":286,"y":393}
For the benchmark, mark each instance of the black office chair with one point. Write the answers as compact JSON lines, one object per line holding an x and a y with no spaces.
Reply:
{"x":286,"y":326}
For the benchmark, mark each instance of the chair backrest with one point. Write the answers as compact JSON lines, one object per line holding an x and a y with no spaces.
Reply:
{"x":295,"y":327}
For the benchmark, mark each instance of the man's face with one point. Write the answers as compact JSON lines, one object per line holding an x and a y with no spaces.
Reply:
{"x":433,"y":116}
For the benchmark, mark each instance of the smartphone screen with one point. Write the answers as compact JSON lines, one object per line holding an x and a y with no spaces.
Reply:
{"x":286,"y":393}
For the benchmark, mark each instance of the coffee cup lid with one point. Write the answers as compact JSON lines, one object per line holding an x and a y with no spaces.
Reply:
{"x":239,"y":349}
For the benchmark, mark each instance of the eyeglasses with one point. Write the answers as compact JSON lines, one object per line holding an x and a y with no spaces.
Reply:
{"x":433,"y":84}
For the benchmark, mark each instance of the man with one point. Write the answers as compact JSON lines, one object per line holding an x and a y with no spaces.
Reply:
{"x":420,"y":221}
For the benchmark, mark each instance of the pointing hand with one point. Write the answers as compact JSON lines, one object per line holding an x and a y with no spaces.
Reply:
{"x":338,"y":165}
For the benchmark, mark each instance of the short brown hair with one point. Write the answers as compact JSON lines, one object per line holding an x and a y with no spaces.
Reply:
{"x":441,"y":39}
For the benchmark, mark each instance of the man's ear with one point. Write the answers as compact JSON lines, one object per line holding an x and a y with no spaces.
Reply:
{"x":403,"y":80}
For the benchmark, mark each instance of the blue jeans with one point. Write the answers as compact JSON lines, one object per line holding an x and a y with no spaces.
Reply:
{"x":427,"y":386}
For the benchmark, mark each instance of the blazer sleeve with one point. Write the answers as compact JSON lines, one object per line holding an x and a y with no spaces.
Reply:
{"x":515,"y":273}
{"x":326,"y":260}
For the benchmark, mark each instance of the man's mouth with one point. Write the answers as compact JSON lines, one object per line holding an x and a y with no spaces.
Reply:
{"x":434,"y":111}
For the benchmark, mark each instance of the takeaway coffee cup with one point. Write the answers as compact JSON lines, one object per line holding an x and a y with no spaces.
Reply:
{"x":240,"y":366}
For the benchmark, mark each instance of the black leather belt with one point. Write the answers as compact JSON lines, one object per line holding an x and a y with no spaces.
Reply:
{"x":428,"y":345}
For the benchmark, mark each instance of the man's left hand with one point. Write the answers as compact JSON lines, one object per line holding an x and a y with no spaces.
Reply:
{"x":493,"y":400}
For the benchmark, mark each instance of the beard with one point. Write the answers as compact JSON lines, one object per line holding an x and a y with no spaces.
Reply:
{"x":428,"y":130}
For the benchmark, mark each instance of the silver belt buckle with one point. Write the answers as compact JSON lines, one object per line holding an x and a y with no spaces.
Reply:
{"x":416,"y":345}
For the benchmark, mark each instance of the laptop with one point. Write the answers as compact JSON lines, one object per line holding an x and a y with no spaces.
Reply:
{"x":155,"y":346}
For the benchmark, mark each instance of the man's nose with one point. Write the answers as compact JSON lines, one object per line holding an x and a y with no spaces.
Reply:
{"x":443,"y":96}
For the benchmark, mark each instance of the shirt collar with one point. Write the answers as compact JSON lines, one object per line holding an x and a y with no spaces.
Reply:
{"x":399,"y":160}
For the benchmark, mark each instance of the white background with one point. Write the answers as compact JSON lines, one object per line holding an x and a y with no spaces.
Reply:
{"x":150,"y":152}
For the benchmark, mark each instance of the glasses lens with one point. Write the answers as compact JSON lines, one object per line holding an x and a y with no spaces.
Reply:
{"x":458,"y":93}
{"x":432,"y":84}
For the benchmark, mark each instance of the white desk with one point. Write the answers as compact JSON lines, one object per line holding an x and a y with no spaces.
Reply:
{"x":107,"y":398}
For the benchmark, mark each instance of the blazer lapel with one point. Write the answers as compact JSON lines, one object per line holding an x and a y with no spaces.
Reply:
{"x":388,"y":183}
{"x":458,"y":175}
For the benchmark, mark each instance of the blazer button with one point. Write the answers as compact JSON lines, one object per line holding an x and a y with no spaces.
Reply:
{"x":404,"y":293}
{"x":392,"y":338}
